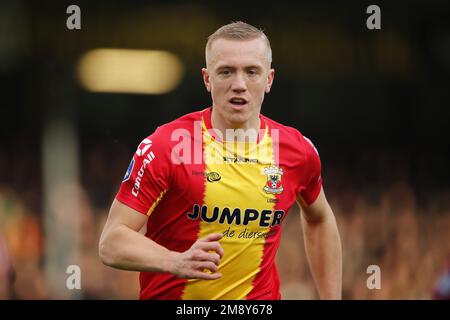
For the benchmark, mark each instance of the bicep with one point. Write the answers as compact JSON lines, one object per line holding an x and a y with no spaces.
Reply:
{"x":119,"y":234}
{"x":316,"y":211}
{"x":121,"y":214}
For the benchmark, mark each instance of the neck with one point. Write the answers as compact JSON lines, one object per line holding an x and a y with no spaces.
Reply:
{"x":246,"y":131}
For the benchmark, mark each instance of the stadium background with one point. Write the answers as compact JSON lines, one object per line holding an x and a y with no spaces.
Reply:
{"x":375,"y":103}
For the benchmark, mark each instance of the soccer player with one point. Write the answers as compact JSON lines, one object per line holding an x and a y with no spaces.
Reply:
{"x":213,"y":188}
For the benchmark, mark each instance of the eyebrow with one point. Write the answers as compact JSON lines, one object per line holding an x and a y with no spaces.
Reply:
{"x":221,"y":67}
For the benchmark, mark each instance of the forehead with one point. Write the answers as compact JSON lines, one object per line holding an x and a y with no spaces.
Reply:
{"x":238,"y":52}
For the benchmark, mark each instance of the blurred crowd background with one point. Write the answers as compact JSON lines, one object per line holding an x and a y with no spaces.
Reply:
{"x":374,"y":102}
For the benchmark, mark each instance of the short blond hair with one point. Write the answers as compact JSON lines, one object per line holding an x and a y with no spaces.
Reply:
{"x":238,"y":30}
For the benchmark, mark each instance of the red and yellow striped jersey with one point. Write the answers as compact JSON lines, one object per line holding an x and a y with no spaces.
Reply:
{"x":192,"y":183}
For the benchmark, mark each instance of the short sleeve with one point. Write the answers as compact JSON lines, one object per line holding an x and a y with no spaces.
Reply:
{"x":314,"y":182}
{"x":148,"y":176}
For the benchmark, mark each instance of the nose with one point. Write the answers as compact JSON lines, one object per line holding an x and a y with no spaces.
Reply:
{"x":238,"y":84}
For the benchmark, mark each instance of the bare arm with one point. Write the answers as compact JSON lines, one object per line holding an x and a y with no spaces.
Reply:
{"x":323,"y":246}
{"x":122,"y":246}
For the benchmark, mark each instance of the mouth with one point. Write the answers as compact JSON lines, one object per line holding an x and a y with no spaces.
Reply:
{"x":238,"y":102}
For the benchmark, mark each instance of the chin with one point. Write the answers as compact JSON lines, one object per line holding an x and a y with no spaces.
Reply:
{"x":238,"y":119}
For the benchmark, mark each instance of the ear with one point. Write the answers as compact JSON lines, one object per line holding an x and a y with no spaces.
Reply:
{"x":270,"y":78}
{"x":205,"y":75}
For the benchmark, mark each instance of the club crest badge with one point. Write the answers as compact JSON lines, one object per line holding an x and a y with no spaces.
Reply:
{"x":273,"y":184}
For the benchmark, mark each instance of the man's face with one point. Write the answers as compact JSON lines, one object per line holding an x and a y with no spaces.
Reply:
{"x":238,"y":74}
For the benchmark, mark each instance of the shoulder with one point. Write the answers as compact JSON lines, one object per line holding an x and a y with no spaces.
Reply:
{"x":161,"y":141}
{"x":291,"y":137}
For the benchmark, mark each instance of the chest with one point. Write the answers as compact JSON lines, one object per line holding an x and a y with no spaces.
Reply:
{"x":238,"y":183}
